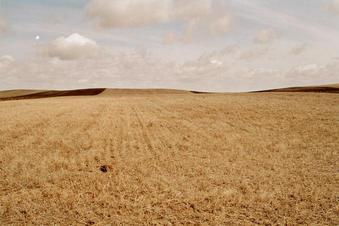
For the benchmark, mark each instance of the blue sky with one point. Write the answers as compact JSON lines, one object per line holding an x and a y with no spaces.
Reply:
{"x":271,"y":40}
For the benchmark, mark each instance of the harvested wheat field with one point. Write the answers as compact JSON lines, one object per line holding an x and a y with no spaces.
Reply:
{"x":170,"y":158}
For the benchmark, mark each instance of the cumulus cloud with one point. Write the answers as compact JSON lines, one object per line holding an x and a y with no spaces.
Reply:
{"x":196,"y":16}
{"x":109,"y":69}
{"x":265,"y":36}
{"x":334,"y":6}
{"x":72,"y":47}
{"x":233,"y":68}
{"x":257,"y":67}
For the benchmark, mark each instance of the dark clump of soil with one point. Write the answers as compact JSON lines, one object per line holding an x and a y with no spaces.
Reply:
{"x":105,"y":168}
{"x":90,"y":223}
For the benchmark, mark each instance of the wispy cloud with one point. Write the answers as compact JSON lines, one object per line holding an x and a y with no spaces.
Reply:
{"x":282,"y":20}
{"x":233,"y":68}
{"x":196,"y":16}
{"x":297,"y":45}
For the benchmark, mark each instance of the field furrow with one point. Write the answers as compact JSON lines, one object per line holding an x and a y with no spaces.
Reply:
{"x":169,"y":159}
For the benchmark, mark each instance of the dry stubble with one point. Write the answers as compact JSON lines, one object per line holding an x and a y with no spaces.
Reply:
{"x":170,"y":159}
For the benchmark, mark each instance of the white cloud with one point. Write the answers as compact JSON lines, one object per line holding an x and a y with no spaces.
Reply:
{"x":198,"y":17}
{"x":334,"y":6}
{"x":6,"y":61}
{"x":72,"y":47}
{"x":217,"y":63}
{"x":258,"y":67}
{"x":266,"y":36}
{"x":234,"y":68}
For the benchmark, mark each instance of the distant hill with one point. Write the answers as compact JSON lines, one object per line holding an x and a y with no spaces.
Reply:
{"x":17,"y":93}
{"x":308,"y":89}
{"x":109,"y":92}
{"x":37,"y":94}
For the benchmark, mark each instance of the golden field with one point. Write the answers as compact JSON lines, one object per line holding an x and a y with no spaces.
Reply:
{"x":172,"y":158}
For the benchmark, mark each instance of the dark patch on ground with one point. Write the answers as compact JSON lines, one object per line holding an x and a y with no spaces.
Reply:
{"x":105,"y":168}
{"x":311,"y":89}
{"x":48,"y":94}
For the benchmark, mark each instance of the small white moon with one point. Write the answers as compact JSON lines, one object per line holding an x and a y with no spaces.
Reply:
{"x":37,"y":37}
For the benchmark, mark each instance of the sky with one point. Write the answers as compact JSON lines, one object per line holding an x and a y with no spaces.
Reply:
{"x":206,"y":45}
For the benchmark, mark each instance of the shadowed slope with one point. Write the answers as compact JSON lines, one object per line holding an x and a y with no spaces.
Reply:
{"x":36,"y":94}
{"x":47,"y":94}
{"x":310,"y":89}
{"x":113,"y":92}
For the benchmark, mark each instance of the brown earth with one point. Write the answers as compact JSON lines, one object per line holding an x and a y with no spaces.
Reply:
{"x":171,"y":159}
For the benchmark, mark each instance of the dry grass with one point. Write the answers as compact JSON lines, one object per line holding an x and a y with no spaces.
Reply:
{"x":173,"y":159}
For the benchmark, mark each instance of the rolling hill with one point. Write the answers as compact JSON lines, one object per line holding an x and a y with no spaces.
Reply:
{"x":37,"y":94}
